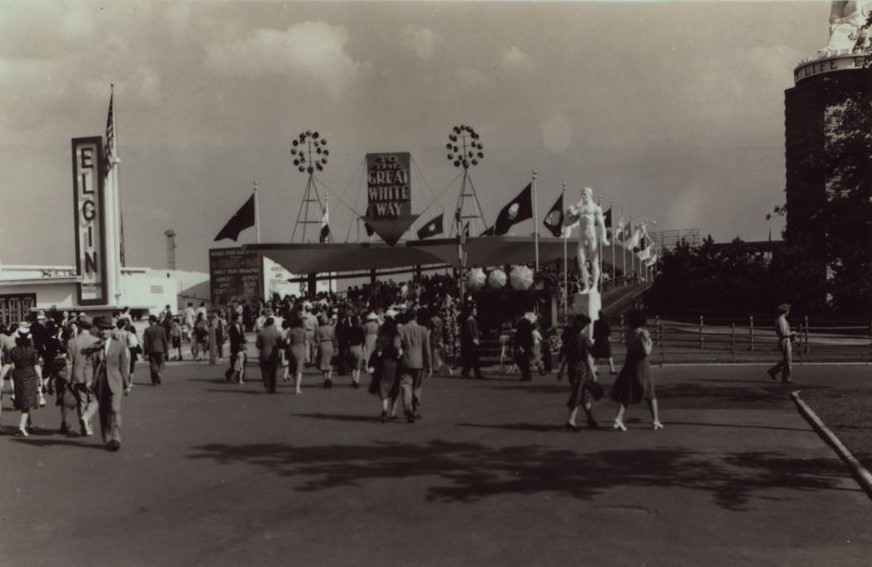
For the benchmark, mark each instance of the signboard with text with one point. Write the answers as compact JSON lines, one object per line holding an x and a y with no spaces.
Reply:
{"x":389,"y":195}
{"x":234,"y":275}
{"x":88,"y":199}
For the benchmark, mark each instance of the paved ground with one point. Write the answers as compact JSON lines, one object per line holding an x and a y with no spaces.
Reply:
{"x":217,"y":474}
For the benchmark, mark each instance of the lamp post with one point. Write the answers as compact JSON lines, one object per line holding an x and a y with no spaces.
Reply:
{"x":309,"y":152}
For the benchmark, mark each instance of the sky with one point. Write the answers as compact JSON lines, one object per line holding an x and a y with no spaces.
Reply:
{"x":671,"y":111}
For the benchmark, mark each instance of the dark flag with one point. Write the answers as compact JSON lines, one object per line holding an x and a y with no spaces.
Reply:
{"x":520,"y":208}
{"x":607,"y":220}
{"x":432,"y":228}
{"x":554,"y":219}
{"x":369,"y":230}
{"x":243,"y":219}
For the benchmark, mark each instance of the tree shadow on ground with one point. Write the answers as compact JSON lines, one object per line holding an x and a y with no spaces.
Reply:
{"x":470,"y":472}
{"x":340,"y":417}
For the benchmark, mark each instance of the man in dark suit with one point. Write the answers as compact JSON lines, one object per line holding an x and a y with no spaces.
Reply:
{"x":470,"y":340}
{"x":268,"y":344}
{"x":111,"y":362}
{"x":524,"y":344}
{"x":236,"y":334}
{"x":416,"y":359}
{"x":155,"y":346}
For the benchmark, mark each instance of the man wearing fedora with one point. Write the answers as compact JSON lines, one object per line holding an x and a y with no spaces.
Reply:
{"x":785,"y":336}
{"x":111,"y":361}
{"x":81,"y":373}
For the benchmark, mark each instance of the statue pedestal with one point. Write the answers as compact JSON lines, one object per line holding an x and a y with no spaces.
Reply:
{"x":588,"y":304}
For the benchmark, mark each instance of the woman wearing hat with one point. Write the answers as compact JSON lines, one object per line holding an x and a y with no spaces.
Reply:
{"x":325,"y":336}
{"x":384,"y":366}
{"x":27,"y":374}
{"x":580,"y":368}
{"x":635,"y":382}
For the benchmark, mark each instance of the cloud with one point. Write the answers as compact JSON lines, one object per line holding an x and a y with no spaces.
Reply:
{"x":557,"y":134}
{"x":421,"y":40}
{"x":514,"y":58}
{"x":78,"y":22}
{"x":310,"y":51}
{"x":470,"y":78}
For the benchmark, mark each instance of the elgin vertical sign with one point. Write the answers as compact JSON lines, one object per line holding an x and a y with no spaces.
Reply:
{"x":389,"y":192}
{"x":90,"y":227}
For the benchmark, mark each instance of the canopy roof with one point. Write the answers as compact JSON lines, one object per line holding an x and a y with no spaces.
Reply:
{"x":481,"y":251}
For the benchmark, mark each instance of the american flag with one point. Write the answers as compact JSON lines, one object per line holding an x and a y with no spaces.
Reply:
{"x":109,"y":147}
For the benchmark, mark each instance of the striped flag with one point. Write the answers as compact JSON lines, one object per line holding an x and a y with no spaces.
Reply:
{"x":109,"y":145}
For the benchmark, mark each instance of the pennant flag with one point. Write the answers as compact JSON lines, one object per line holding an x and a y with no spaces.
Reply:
{"x":554,"y":219}
{"x":243,"y":219}
{"x":519,"y":209}
{"x":325,"y":224}
{"x":432,"y":228}
{"x":607,"y":220}
{"x":369,"y":230}
{"x":109,"y":145}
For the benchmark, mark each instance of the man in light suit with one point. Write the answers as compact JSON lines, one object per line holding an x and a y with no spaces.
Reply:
{"x":269,"y":341}
{"x":111,"y":361}
{"x":416,"y":359}
{"x":155,"y":346}
{"x":81,"y":373}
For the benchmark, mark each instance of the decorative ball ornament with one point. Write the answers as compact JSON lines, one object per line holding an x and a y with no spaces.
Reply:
{"x":521,"y":278}
{"x":310,"y":152}
{"x":464,"y":148}
{"x":475,"y":279}
{"x":497,"y":279}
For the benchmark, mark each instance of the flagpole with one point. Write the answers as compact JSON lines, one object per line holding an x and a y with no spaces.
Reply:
{"x":614,"y":268}
{"x":565,"y":253}
{"x":536,"y":220}
{"x":256,"y":213}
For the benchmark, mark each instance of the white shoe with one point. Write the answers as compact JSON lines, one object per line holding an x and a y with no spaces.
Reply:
{"x":657,"y":426}
{"x":618,"y":425}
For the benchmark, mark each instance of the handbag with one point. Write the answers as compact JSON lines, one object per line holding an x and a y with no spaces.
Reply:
{"x":596,"y":389}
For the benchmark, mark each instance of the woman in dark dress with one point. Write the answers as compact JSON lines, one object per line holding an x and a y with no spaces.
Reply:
{"x":384,"y":366}
{"x":27,"y":374}
{"x":576,"y":354}
{"x":635,"y":382}
{"x":602,"y":346}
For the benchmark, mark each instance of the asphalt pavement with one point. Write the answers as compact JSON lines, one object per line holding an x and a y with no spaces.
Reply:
{"x":213,"y":473}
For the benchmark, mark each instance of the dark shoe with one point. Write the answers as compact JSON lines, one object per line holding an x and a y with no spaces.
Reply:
{"x":328,"y":384}
{"x":591,"y":423}
{"x":64,"y":429}
{"x":570,"y":427}
{"x":113,"y":445}
{"x":355,"y":385}
{"x":410,"y":417}
{"x":384,"y":416}
{"x":772,"y":373}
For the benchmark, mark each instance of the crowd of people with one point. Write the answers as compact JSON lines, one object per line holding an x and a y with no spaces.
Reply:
{"x":396,"y":335}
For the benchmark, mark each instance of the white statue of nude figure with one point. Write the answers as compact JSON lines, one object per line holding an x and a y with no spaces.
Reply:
{"x":591,"y":234}
{"x":847,"y":18}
